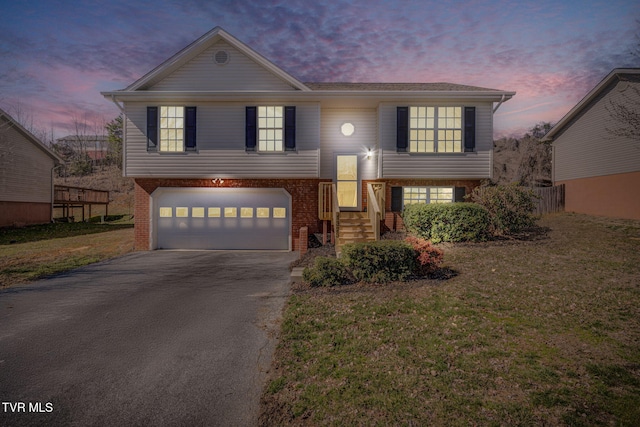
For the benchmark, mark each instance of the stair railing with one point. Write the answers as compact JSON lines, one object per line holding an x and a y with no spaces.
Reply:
{"x":374,"y":211}
{"x":335,"y":212}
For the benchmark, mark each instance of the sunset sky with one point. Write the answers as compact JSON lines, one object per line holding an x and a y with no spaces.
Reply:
{"x":56,"y":56}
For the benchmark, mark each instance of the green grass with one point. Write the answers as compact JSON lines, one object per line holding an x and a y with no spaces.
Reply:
{"x":538,"y":332}
{"x":23,"y":262}
{"x":34,"y":233}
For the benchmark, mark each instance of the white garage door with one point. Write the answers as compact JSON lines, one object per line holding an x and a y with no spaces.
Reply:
{"x":221,"y":218}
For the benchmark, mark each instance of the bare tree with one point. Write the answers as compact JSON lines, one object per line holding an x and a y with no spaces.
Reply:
{"x":114,"y":130}
{"x":23,"y":115}
{"x":86,"y":136}
{"x":525,"y":160}
{"x":626,"y":114}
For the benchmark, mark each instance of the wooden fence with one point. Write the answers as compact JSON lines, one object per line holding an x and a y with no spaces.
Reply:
{"x":551,"y":199}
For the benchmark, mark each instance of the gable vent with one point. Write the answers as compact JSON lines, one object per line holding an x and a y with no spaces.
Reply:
{"x":221,"y":57}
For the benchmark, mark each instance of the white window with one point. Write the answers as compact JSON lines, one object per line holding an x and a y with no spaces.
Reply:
{"x":270,"y":128}
{"x":171,"y":129}
{"x":435,"y":129}
{"x":411,"y":195}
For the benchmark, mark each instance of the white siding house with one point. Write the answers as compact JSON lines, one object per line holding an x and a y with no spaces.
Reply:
{"x":600,"y":168}
{"x":26,"y":176}
{"x":217,"y":126}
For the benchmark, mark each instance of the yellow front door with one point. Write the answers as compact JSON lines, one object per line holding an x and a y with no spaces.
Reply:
{"x":347,"y":183}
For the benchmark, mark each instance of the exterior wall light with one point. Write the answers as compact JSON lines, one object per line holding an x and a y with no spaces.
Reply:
{"x":347,"y":129}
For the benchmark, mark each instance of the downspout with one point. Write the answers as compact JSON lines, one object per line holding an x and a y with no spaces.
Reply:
{"x":499,"y":103}
{"x":53,"y":189}
{"x":120,"y":107}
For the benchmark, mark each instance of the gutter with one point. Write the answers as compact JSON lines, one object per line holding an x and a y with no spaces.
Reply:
{"x":120,"y":106}
{"x":499,"y":103}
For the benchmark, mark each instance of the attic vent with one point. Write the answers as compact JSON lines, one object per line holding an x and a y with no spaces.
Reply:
{"x":221,"y":57}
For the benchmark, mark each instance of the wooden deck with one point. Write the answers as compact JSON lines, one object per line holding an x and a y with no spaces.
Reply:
{"x":69,"y":198}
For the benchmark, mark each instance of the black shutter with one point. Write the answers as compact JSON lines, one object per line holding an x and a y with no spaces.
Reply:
{"x":190,"y":128}
{"x":402,"y":139}
{"x":290,"y":128}
{"x":250,"y":128}
{"x":396,"y":199}
{"x":152,"y":128}
{"x":459,"y":193}
{"x":469,"y":129}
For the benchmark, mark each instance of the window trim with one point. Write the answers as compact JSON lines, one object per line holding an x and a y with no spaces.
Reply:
{"x":189,"y":129}
{"x":436,"y":129}
{"x":428,"y":189}
{"x":469,"y":128}
{"x":252,"y":139}
{"x":176,"y":129}
{"x":267,"y":128}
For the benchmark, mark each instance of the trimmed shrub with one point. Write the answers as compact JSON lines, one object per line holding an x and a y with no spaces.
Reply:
{"x":326,"y":272}
{"x":381,"y":261}
{"x":510,"y":207}
{"x":427,"y":256}
{"x":447,"y":222}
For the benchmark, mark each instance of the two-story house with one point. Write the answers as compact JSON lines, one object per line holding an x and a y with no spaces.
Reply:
{"x":228,"y":151}
{"x":26,"y":175}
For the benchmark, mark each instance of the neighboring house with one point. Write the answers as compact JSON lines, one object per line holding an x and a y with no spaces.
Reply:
{"x":96,"y":147}
{"x":26,"y":176}
{"x":600,"y":171}
{"x":228,"y":151}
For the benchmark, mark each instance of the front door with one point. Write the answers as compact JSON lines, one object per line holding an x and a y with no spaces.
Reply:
{"x":347,"y":182}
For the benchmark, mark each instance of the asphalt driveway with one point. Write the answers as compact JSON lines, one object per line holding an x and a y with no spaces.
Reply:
{"x":151,"y":338}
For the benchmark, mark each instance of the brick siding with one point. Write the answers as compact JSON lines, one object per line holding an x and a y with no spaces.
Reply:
{"x":393,"y":221}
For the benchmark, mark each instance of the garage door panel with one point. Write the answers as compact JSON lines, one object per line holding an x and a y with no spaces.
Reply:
{"x":222,"y":218}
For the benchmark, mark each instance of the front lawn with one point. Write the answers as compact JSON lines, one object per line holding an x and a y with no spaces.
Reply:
{"x":33,"y":252}
{"x":544,"y":331}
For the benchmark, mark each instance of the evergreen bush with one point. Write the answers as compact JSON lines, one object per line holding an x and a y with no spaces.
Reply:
{"x":380,"y":261}
{"x":447,"y":222}
{"x":326,"y":272}
{"x":510,"y":207}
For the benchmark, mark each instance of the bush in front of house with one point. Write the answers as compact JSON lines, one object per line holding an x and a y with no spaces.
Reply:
{"x":510,"y":207}
{"x":381,"y":261}
{"x":326,"y":272}
{"x":447,"y":222}
{"x":427,"y":257}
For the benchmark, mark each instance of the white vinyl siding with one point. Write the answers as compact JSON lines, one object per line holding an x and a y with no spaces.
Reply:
{"x":203,"y":74}
{"x":587,"y":149}
{"x":221,"y":146}
{"x":363,"y":138}
{"x":476,"y":165}
{"x":25,"y":169}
